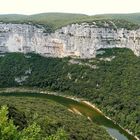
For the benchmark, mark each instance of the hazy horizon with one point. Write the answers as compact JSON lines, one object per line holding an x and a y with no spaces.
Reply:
{"x":88,"y":7}
{"x":66,"y":13}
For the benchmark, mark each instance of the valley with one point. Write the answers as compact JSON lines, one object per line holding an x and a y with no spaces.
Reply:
{"x":70,"y":77}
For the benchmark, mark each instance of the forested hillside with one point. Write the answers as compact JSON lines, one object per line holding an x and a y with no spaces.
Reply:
{"x":53,"y":21}
{"x":111,"y":80}
{"x":42,"y":119}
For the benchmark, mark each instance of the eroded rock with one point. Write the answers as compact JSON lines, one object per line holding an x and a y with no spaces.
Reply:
{"x":77,"y":40}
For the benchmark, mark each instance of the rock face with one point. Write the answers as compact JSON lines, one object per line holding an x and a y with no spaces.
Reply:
{"x":77,"y":40}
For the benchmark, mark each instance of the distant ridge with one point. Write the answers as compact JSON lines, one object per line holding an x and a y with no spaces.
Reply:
{"x":57,"y":20}
{"x":133,"y":17}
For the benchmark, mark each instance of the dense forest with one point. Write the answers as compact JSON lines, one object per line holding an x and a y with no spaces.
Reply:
{"x":34,"y":118}
{"x":111,"y":80}
{"x":9,"y":130}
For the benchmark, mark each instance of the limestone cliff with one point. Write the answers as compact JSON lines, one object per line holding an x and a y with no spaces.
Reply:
{"x":78,"y":40}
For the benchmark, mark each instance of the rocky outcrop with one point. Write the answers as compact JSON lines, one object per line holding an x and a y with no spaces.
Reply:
{"x":77,"y":40}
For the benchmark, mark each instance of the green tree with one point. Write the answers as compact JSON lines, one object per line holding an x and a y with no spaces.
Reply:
{"x":8,"y":131}
{"x":60,"y":135}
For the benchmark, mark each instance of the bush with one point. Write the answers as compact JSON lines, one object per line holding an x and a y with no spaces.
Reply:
{"x":8,"y":131}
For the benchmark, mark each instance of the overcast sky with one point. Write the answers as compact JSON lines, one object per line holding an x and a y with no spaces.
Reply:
{"x":90,"y":7}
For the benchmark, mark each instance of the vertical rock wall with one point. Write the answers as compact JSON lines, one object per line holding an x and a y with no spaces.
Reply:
{"x":78,"y":40}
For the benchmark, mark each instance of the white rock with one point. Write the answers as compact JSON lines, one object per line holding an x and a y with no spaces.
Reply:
{"x":77,"y":40}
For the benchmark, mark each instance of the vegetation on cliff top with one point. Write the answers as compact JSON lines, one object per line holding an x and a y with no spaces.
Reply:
{"x":53,"y":21}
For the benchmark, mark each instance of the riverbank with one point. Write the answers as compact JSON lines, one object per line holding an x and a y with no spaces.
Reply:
{"x":80,"y":100}
{"x":93,"y":106}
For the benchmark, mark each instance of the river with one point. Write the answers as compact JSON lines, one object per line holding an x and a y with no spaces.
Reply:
{"x":83,"y":108}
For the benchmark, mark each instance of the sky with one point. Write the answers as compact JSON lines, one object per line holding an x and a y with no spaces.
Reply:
{"x":89,"y":7}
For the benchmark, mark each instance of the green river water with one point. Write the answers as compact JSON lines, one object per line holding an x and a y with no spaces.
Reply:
{"x":97,"y":117}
